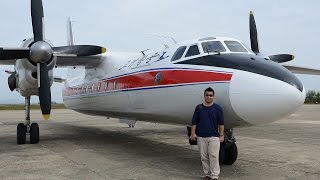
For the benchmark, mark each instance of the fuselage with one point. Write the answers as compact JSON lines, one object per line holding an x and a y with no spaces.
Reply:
{"x":165,"y":86}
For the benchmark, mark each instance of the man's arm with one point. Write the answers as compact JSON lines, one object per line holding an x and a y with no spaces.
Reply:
{"x":221,"y":124}
{"x":195,"y":120}
{"x":221,"y":132}
{"x":193,"y":132}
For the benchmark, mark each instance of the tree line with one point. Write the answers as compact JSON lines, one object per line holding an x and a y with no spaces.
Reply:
{"x":312,"y":97}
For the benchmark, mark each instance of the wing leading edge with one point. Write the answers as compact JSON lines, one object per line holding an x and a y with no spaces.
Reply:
{"x":302,"y":70}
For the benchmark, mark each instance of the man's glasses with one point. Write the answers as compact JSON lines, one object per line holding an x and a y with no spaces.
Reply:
{"x":210,"y":95}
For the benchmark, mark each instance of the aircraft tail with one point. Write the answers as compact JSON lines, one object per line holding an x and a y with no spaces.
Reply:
{"x":70,"y":40}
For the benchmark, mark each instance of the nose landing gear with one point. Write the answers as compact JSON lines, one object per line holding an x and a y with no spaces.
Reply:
{"x":26,"y":129}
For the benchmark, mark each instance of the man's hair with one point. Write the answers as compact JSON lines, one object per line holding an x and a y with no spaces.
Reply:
{"x":209,"y":89}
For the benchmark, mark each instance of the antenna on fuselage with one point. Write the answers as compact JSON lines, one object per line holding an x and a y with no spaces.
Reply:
{"x":167,"y":37}
{"x":166,"y":46}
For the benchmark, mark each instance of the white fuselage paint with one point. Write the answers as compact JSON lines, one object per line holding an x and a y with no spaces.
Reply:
{"x":247,"y":98}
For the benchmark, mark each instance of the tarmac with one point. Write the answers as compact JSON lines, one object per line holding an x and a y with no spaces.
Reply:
{"x":76,"y":146}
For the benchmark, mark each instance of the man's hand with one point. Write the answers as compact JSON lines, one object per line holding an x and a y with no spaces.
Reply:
{"x":193,"y":136}
{"x":221,"y":133}
{"x":221,"y":138}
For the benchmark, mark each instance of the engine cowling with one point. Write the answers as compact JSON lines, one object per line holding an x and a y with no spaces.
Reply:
{"x":26,"y":77}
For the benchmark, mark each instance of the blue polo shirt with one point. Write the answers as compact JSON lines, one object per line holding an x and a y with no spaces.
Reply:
{"x":208,"y":120}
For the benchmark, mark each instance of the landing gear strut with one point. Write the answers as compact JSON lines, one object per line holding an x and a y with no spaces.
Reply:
{"x":26,"y":129}
{"x":228,"y":149}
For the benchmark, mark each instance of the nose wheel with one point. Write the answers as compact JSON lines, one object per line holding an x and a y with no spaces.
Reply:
{"x":26,"y":129}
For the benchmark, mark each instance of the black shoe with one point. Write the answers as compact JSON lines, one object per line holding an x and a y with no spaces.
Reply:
{"x":207,"y":178}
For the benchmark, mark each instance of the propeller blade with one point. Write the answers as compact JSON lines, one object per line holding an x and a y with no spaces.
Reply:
{"x":253,"y":34}
{"x":18,"y":53}
{"x":280,"y":58}
{"x":44,"y":91}
{"x":37,"y":20}
{"x":79,"y":50}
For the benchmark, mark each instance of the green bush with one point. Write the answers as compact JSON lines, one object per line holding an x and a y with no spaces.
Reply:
{"x":312,"y":97}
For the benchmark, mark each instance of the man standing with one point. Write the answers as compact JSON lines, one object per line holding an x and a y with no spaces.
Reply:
{"x":209,"y":122}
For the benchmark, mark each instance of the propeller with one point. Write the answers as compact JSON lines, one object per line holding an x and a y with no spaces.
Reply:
{"x":11,"y":53}
{"x":253,"y":34}
{"x":44,"y":91}
{"x":79,"y":50}
{"x":41,"y":52}
{"x":279,"y":58}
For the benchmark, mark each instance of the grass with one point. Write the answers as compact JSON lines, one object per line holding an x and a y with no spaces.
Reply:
{"x":32,"y":106}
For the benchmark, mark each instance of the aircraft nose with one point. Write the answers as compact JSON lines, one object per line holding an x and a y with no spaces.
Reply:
{"x":259,"y":99}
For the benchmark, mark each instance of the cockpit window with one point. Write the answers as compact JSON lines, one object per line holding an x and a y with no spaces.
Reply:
{"x":235,"y":46}
{"x":193,"y":50}
{"x":212,"y":46}
{"x":178,"y":54}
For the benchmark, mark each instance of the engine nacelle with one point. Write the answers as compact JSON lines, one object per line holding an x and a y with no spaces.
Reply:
{"x":26,"y":76}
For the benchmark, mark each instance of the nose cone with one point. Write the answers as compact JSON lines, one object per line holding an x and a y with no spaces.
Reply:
{"x":259,"y":99}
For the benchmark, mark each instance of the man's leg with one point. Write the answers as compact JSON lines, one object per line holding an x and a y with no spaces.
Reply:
{"x":203,"y":149}
{"x":213,"y":150}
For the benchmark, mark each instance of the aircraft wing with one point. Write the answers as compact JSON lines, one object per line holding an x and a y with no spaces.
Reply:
{"x":88,"y":61}
{"x":8,"y":62}
{"x":302,"y":70}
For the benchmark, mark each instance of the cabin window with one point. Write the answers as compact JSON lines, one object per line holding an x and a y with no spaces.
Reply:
{"x":212,"y":46}
{"x":106,"y":85}
{"x":192,"y":51}
{"x":179,"y":52}
{"x":235,"y":46}
{"x":98,"y":87}
{"x":115,"y":83}
{"x":83,"y":89}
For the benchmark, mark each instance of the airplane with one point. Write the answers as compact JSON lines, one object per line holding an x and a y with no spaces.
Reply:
{"x":158,"y":86}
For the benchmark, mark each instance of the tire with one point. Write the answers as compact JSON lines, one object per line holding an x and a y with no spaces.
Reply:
{"x":222,"y":154}
{"x":231,"y":154}
{"x":21,"y":133}
{"x":34,"y":133}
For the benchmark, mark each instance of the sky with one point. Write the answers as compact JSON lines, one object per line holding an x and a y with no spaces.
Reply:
{"x":126,"y":25}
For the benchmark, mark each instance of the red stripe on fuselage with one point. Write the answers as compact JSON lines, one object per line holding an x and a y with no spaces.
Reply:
{"x":148,"y":79}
